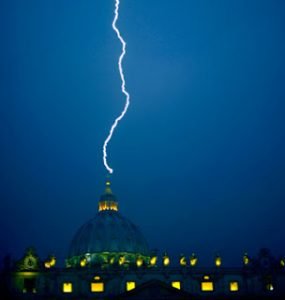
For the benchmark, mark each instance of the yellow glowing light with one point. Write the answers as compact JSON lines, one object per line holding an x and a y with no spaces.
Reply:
{"x":166,"y":260}
{"x":234,"y":286}
{"x":282,"y":262}
{"x":67,"y":287}
{"x":122,"y":260}
{"x":97,"y":278}
{"x":207,"y":286}
{"x":206,"y":277}
{"x":52,"y":261}
{"x":28,"y":274}
{"x":139,"y":262}
{"x":218,"y":261}
{"x":153,"y":260}
{"x":112,"y":260}
{"x":130,"y":285}
{"x":83,"y":262}
{"x":183,"y":261}
{"x":270,"y":287}
{"x":245,"y":259}
{"x":193,"y":260}
{"x":97,"y":287}
{"x":176,"y":284}
{"x":108,"y":205}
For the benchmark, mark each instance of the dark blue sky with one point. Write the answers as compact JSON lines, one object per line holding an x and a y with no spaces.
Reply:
{"x":199,"y":158}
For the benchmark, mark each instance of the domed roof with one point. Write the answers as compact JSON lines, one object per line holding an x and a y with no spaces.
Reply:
{"x":108,"y":232}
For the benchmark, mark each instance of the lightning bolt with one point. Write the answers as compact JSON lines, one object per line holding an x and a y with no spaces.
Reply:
{"x":123,"y":86}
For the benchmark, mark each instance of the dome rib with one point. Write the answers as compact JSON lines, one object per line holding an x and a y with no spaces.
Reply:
{"x":110,"y":232}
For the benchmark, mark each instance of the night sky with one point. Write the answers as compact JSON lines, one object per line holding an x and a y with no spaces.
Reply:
{"x":198,"y":161}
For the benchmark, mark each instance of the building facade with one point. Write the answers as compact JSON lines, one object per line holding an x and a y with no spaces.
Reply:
{"x":109,"y":258}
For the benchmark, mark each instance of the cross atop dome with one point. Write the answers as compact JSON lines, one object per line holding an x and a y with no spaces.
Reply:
{"x":108,"y":200}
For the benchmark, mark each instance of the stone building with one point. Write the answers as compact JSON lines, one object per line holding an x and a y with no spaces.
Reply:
{"x":109,"y":258}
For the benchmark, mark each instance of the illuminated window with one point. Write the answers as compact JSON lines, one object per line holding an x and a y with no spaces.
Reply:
{"x":234,"y":286}
{"x":130,"y":285}
{"x":67,"y":287}
{"x":176,"y":284}
{"x":97,"y":287}
{"x":108,"y":205}
{"x":207,"y":286}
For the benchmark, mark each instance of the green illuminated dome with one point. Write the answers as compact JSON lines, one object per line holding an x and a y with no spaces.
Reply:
{"x":107,"y":236}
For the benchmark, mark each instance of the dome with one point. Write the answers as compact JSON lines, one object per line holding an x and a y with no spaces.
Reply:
{"x":108,"y":233}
